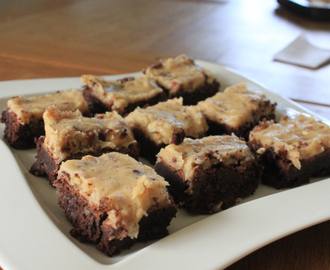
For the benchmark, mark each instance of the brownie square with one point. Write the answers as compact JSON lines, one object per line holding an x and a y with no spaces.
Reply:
{"x":292,"y":150}
{"x":114,"y":201}
{"x":182,"y":77}
{"x":236,"y":110}
{"x":69,"y":135}
{"x":210,"y":174}
{"x":167,"y":122}
{"x":123,"y":95}
{"x":23,"y":116}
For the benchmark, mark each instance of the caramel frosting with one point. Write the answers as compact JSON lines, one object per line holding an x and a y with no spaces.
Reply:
{"x":125,"y":188}
{"x":161,"y":121}
{"x":300,"y":137}
{"x":69,"y":133}
{"x":236,"y":106}
{"x":201,"y":154}
{"x":118,"y":94}
{"x":179,"y":72}
{"x":32,"y":109}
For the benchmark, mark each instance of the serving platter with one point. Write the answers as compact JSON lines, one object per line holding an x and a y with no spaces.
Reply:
{"x":35,"y":233}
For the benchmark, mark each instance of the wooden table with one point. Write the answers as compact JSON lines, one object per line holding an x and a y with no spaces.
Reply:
{"x":44,"y":38}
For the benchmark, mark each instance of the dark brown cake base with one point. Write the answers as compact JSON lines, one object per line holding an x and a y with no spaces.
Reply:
{"x":214,"y":189}
{"x":89,"y":227}
{"x":242,"y":131}
{"x":149,"y":149}
{"x":201,"y":93}
{"x":46,"y":166}
{"x":21,"y":136}
{"x":279,"y":172}
{"x":95,"y":105}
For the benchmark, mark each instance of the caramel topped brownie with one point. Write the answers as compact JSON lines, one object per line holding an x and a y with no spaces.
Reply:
{"x":204,"y":153}
{"x":122,"y":95}
{"x":236,"y":110}
{"x":180,"y":76}
{"x":23,"y":116}
{"x":31,"y":109}
{"x":209,"y":174}
{"x":161,"y":121}
{"x":297,"y":147}
{"x":120,"y":189}
{"x":165,"y":123}
{"x":70,"y":135}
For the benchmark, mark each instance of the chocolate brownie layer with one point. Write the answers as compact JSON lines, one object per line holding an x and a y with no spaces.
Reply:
{"x":280,"y":173}
{"x":181,"y":77}
{"x":21,"y":136}
{"x":215,"y":189}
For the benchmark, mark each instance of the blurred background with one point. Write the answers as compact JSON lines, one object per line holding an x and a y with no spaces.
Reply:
{"x":64,"y":38}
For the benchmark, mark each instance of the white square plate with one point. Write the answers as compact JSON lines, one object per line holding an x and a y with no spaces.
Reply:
{"x":35,"y":234}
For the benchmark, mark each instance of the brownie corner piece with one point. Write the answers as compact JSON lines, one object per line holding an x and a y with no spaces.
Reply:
{"x":20,"y":136}
{"x":114,"y":201}
{"x":292,"y":151}
{"x":210,"y":174}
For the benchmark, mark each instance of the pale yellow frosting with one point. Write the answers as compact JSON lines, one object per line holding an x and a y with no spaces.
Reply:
{"x":126,"y":187}
{"x":235,"y":106}
{"x":159,"y":122}
{"x":181,"y":71}
{"x":69,"y":133}
{"x":32,"y":108}
{"x":119,"y":94}
{"x":301,"y":137}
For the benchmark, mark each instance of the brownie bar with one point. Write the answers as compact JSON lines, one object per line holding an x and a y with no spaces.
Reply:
{"x":69,"y":135}
{"x":123,"y":95}
{"x":209,"y":174}
{"x":102,"y":219}
{"x":23,"y":116}
{"x":236,"y":110}
{"x":167,"y":122}
{"x":181,"y":77}
{"x":292,"y":151}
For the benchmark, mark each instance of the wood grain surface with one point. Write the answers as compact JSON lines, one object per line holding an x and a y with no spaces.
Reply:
{"x":65,"y":38}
